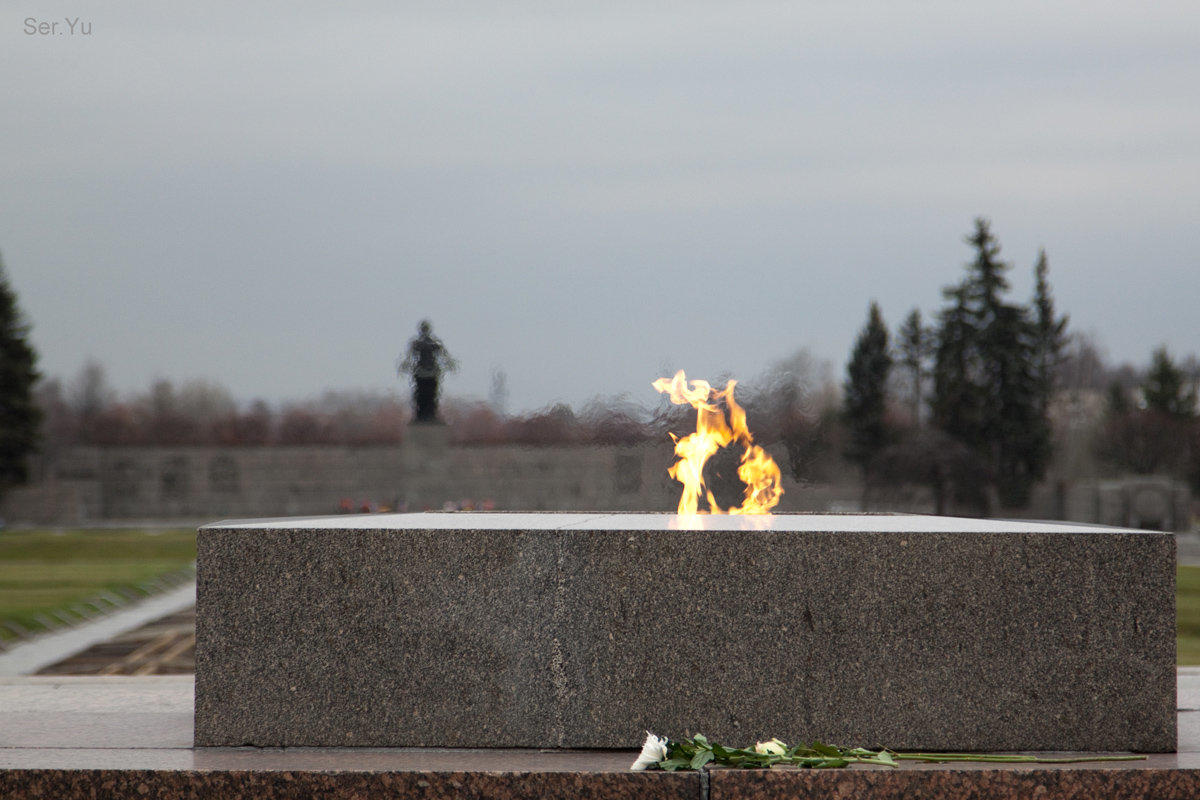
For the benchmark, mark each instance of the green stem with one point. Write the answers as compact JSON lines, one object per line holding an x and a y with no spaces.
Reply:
{"x":1003,"y":759}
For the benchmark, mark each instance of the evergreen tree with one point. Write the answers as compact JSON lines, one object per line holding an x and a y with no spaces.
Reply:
{"x":1161,"y":437}
{"x":1167,"y":390}
{"x":956,"y":404}
{"x":987,"y":390}
{"x":866,"y":394}
{"x":19,"y":415}
{"x":914,"y":342}
{"x":1050,"y":332}
{"x":1118,"y":399}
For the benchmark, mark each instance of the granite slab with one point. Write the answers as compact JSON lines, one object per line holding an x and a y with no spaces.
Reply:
{"x":352,"y":785}
{"x":81,"y":737}
{"x":1014,"y":783}
{"x":584,"y":630}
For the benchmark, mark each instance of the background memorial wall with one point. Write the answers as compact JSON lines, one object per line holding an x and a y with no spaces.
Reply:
{"x":98,"y":483}
{"x":94,"y":484}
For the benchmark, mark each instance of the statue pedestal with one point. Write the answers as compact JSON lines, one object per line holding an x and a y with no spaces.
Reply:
{"x":426,"y":437}
{"x":423,"y":457}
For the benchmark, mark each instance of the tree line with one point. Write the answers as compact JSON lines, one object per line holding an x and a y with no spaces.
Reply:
{"x":978,"y":405}
{"x":967,"y":405}
{"x":87,"y":411}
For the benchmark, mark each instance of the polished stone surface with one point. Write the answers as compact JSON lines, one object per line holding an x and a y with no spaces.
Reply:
{"x":578,"y":630}
{"x":118,"y":737}
{"x":67,"y":737}
{"x":955,"y":784}
{"x":347,"y":784}
{"x":546,"y":521}
{"x":105,"y":722}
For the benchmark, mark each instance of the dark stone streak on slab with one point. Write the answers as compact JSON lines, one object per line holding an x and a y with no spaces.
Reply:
{"x":948,"y":782}
{"x":236,"y":785}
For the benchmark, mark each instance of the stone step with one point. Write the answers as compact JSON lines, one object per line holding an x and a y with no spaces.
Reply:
{"x":130,"y":737}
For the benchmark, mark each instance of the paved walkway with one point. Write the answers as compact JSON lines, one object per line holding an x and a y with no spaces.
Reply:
{"x":29,"y":657}
{"x":1187,"y":548}
{"x":166,"y":646}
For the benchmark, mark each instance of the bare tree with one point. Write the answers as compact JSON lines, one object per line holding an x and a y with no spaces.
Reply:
{"x":89,"y":396}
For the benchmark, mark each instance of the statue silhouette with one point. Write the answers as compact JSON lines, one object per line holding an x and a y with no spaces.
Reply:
{"x":426,"y":361}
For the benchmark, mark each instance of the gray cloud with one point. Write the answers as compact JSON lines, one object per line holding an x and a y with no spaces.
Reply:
{"x":273,"y":197}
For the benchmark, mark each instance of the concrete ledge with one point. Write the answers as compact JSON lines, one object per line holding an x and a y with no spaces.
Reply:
{"x":125,"y":737}
{"x":581,"y":631}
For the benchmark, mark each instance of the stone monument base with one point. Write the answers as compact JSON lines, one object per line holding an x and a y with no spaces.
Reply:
{"x":129,"y":737}
{"x":583,"y":631}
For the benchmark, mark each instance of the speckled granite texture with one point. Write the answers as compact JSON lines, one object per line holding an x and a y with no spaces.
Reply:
{"x":557,"y":630}
{"x":249,"y":785}
{"x":951,"y":784}
{"x":955,"y":783}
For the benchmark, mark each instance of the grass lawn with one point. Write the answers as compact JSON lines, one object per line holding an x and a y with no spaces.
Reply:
{"x":1187,"y":616}
{"x":42,"y":570}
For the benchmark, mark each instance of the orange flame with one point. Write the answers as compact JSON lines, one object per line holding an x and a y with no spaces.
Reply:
{"x":758,"y":470}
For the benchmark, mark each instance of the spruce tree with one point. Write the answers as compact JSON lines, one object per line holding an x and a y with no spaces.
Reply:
{"x":987,"y":389}
{"x":1118,"y":399}
{"x":865,"y":401}
{"x":1166,"y":388}
{"x":913,"y":343}
{"x":1050,"y":332}
{"x":20,"y":417}
{"x":956,"y":404}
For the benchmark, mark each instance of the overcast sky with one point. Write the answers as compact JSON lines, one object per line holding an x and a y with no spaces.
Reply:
{"x":582,"y":195}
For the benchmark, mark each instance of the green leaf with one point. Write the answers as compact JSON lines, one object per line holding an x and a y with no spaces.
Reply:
{"x":826,"y":750}
{"x":680,"y":750}
{"x":697,"y":752}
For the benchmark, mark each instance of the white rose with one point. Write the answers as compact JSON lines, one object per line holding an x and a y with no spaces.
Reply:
{"x":771,"y":747}
{"x":654,"y":750}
